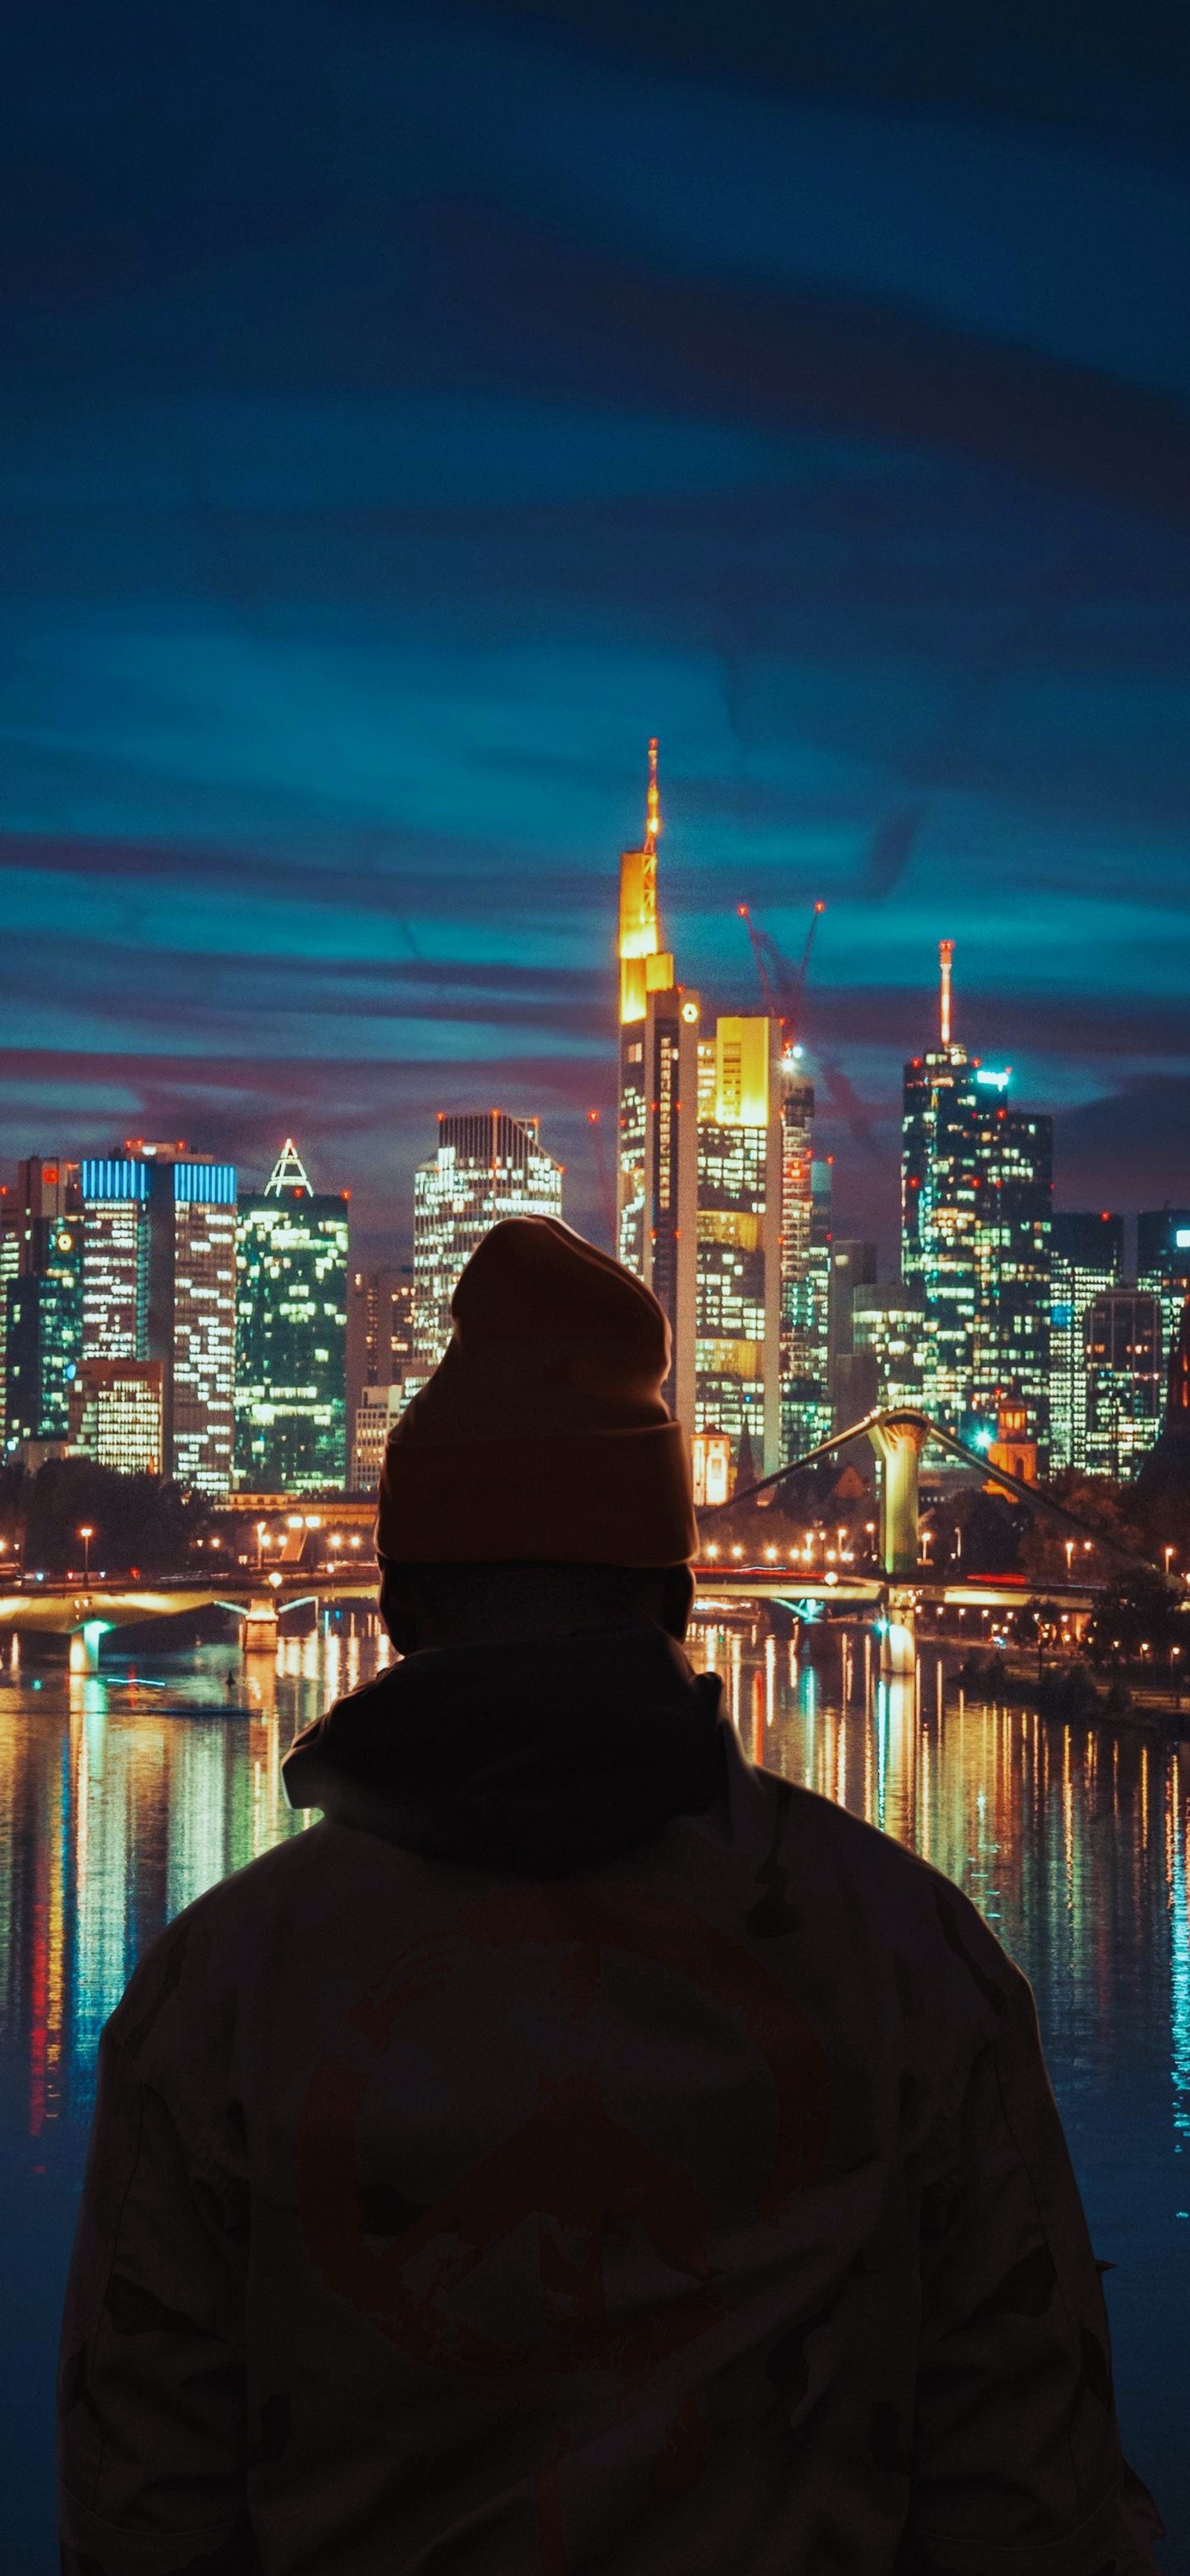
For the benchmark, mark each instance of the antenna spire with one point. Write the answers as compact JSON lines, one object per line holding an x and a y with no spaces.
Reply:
{"x":652,"y":805}
{"x":945,"y":959}
{"x":288,"y":1173}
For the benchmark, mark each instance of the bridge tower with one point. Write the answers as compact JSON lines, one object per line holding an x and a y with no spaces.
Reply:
{"x":898,"y":1440}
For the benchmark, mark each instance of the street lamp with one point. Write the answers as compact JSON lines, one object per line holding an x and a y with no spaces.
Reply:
{"x":260,"y":1527}
{"x":1068,"y":1544}
{"x":1167,"y":1552}
{"x":87,"y":1533}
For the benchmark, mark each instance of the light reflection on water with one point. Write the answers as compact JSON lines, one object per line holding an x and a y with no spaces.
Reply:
{"x":124,"y":1794}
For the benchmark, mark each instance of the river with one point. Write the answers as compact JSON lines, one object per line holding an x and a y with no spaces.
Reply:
{"x":124,"y":1794}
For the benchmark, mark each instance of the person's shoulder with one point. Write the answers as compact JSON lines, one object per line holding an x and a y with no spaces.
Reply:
{"x":904,"y":1905}
{"x":208,"y":1943}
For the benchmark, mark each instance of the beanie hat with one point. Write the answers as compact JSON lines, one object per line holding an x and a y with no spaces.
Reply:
{"x":543,"y":1433}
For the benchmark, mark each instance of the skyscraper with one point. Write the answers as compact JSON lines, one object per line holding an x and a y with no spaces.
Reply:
{"x":44,"y":1335}
{"x":1163,"y":1267}
{"x":10,"y":1258}
{"x":487,"y":1166}
{"x":739,"y":1245}
{"x":1012,"y":1256}
{"x":379,"y":1358}
{"x":976,"y":1186}
{"x":853,"y":1266}
{"x":117,"y":1414}
{"x":804,"y":1248}
{"x":888,"y":1339}
{"x":1125,"y":1380}
{"x":158,"y":1283}
{"x":939,"y":1193}
{"x":1086,"y":1257}
{"x":657,"y":1151}
{"x":291,"y":1333}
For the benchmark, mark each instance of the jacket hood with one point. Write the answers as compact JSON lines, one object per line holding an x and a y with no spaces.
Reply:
{"x":537,"y":1758}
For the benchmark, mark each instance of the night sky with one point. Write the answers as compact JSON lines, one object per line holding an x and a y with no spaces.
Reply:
{"x":407,"y":413}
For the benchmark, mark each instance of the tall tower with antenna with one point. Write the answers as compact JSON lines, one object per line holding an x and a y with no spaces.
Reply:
{"x":976,"y":1194}
{"x":657,"y":1140}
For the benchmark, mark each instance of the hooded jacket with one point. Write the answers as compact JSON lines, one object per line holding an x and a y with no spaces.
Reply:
{"x":581,"y":2151}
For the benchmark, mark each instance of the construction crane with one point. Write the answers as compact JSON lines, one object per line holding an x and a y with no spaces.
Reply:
{"x":781,"y":984}
{"x":782,"y":987}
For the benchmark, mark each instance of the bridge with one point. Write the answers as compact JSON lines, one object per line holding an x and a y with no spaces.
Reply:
{"x":891,"y":1591}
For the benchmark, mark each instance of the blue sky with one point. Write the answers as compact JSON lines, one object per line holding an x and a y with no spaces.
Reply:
{"x":407,"y":413}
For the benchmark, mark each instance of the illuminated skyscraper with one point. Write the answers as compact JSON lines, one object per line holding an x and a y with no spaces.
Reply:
{"x":379,"y":1358}
{"x":1086,"y":1257}
{"x":1125,"y":1380}
{"x":117,"y":1414}
{"x":291,"y":1333}
{"x":1163,"y":1267}
{"x":158,"y":1283}
{"x":976,"y":1186}
{"x":739,"y":1247}
{"x":853,"y":1266}
{"x":940,"y":1158}
{"x":888,"y":1342}
{"x":803,"y":1244}
{"x":43,"y":1339}
{"x":10,"y":1262}
{"x":1012,"y":1252}
{"x":487,"y":1166}
{"x":657,"y":1157}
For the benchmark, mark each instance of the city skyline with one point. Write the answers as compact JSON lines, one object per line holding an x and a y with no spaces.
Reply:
{"x":380,"y":490}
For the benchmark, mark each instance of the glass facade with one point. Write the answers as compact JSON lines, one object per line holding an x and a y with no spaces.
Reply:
{"x":487,"y":1166}
{"x":803,"y":1378}
{"x":1086,"y":1257}
{"x":158,"y":1284}
{"x":976,"y":1198}
{"x":291,"y":1338}
{"x":1163,"y":1267}
{"x":1125,"y":1380}
{"x":1012,"y":1255}
{"x":117,"y":1414}
{"x":888,"y":1340}
{"x":740,"y":1183}
{"x":940,"y":1154}
{"x":43,"y":1301}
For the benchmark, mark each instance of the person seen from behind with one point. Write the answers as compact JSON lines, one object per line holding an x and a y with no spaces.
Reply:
{"x":581,"y":2150}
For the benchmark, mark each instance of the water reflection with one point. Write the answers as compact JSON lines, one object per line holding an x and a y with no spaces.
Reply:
{"x":125,"y":1793}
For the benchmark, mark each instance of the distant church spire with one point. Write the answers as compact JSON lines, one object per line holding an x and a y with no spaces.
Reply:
{"x":288,"y":1173}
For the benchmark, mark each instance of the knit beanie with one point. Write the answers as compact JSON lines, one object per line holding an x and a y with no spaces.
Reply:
{"x":543,"y":1433}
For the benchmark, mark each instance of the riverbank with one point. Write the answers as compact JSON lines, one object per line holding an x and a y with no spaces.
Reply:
{"x":1070,"y":1692}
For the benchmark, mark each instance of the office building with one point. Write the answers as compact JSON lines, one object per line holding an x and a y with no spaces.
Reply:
{"x":117,"y":1414}
{"x":291,"y":1334}
{"x":44,"y":1314}
{"x":1125,"y":1380}
{"x":976,"y":1185}
{"x":853,"y":1265}
{"x":1086,"y":1257}
{"x":738,"y":1299}
{"x":379,"y":1333}
{"x":805,"y":1256}
{"x":657,"y":1139}
{"x":487,"y":1166}
{"x":158,"y":1283}
{"x":10,"y":1259}
{"x":1012,"y":1257}
{"x":1163,"y":1267}
{"x":377,"y":1410}
{"x":888,"y":1343}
